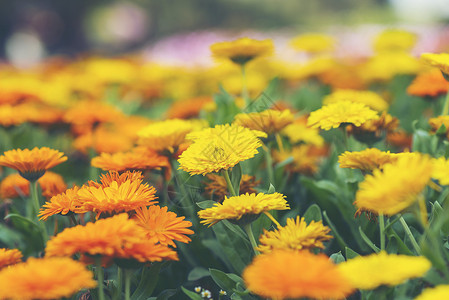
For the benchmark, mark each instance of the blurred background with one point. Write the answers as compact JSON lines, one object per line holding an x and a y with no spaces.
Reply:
{"x":32,"y":30}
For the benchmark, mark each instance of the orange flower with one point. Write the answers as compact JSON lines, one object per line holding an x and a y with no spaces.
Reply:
{"x":14,"y":185}
{"x":64,"y":203}
{"x":186,"y":109}
{"x":108,"y":178}
{"x":400,"y":139}
{"x":9,"y":257}
{"x":429,"y":84}
{"x":277,"y":275}
{"x":52,"y":184}
{"x":103,"y":140}
{"x":46,"y":278}
{"x":218,"y":187}
{"x":12,"y":115}
{"x":162,"y":226}
{"x":32,"y":164}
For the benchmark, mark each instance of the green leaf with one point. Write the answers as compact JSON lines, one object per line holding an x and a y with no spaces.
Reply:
{"x":222,"y":280}
{"x":368,"y":241}
{"x":334,"y":231}
{"x":236,"y":177}
{"x":434,"y":277}
{"x":190,"y":294}
{"x":337,"y":257}
{"x":22,"y":219}
{"x":197,"y":273}
{"x":206,"y":204}
{"x":350,"y":254}
{"x":271,"y":189}
{"x":147,"y":282}
{"x":313,"y":213}
{"x":166,"y":294}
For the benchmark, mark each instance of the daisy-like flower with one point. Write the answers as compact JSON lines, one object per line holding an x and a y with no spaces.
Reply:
{"x":306,"y":158}
{"x":270,"y":121}
{"x":243,"y":209}
{"x":111,"y":176}
{"x":32,"y":164}
{"x":342,"y":112}
{"x":64,"y":203}
{"x":242,"y":50}
{"x":162,"y":226}
{"x":12,"y":115}
{"x":438,"y":292}
{"x":429,"y":84}
{"x":393,"y":40}
{"x":366,"y":160}
{"x":396,"y":187}
{"x":116,"y":197}
{"x":440,"y":170}
{"x":275,"y":275}
{"x":296,"y":235}
{"x":103,"y":140}
{"x":219,"y":148}
{"x":313,"y":42}
{"x":9,"y":257}
{"x":218,"y":187}
{"x":167,"y":135}
{"x":440,"y":61}
{"x":298,"y":132}
{"x":369,"y":272}
{"x":189,"y":108}
{"x":374,"y":130}
{"x":46,"y":278}
{"x":369,"y":98}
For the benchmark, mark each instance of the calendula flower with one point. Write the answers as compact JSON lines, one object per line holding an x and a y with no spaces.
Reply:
{"x":103,"y":140}
{"x":306,"y":158}
{"x":384,"y":66}
{"x":9,"y":257}
{"x":162,"y":226}
{"x":396,"y":187}
{"x":243,"y":209}
{"x":369,"y":272}
{"x":313,"y":42}
{"x":269,"y":121}
{"x":401,"y":139}
{"x":275,"y":275}
{"x":64,"y":203}
{"x":436,"y":123}
{"x":32,"y":164}
{"x":366,"y":160}
{"x":242,"y":50}
{"x":438,"y":292}
{"x":374,"y":130}
{"x":219,"y":148}
{"x":298,"y":132}
{"x":218,"y":187}
{"x":393,"y":40}
{"x":189,"y":108}
{"x":440,"y":61}
{"x":11,"y":115}
{"x":342,"y":112}
{"x":369,"y":98}
{"x":429,"y":84}
{"x":45,"y":278}
{"x":296,"y":235}
{"x":114,"y":176}
{"x":440,"y":170}
{"x":343,"y":76}
{"x":167,"y":135}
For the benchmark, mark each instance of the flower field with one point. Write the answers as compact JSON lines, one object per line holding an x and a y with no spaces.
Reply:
{"x":277,"y":169}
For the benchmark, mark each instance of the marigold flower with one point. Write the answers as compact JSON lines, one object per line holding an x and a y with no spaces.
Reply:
{"x":243,"y":209}
{"x":269,"y":121}
{"x":32,"y":164}
{"x":91,"y":113}
{"x":306,"y":158}
{"x":373,"y":130}
{"x":186,"y":109}
{"x":436,"y":123}
{"x":366,"y":160}
{"x":11,"y":115}
{"x":393,"y":40}
{"x":369,"y":98}
{"x":429,"y":84}
{"x":369,"y":272}
{"x":384,"y":66}
{"x":342,"y":112}
{"x":64,"y":203}
{"x":46,"y":278}
{"x":242,"y":50}
{"x":313,"y":42}
{"x":218,"y":187}
{"x":395,"y":188}
{"x":219,"y":148}
{"x":275,"y":275}
{"x":440,"y":61}
{"x":440,"y":170}
{"x":299,"y":132}
{"x":111,"y":176}
{"x":103,"y":140}
{"x":9,"y":257}
{"x":296,"y":235}
{"x":162,"y":226}
{"x":438,"y":292}
{"x":400,"y":139}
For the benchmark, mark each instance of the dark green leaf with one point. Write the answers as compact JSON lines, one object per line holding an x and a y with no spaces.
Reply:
{"x":197,"y":273}
{"x":222,"y":280}
{"x":166,"y":294}
{"x":236,"y":177}
{"x":350,"y":254}
{"x":313,"y":213}
{"x":147,"y":282}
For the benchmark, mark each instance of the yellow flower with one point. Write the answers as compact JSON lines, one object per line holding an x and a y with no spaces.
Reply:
{"x":242,"y":50}
{"x":9,"y":257}
{"x":439,"y":292}
{"x":299,"y":132}
{"x":369,"y":98}
{"x":306,"y":158}
{"x":384,"y":66}
{"x":270,"y":121}
{"x":440,"y":61}
{"x":343,"y":112}
{"x":440,"y":170}
{"x":286,"y":274}
{"x":313,"y":42}
{"x":436,"y":123}
{"x":219,"y":148}
{"x":295,"y":236}
{"x":392,"y":40}
{"x":32,"y":164}
{"x":369,"y":272}
{"x":45,"y":278}
{"x":366,"y":160}
{"x":395,"y":188}
{"x":243,"y":209}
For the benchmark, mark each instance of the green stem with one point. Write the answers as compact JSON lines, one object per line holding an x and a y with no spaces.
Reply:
{"x":252,"y":240}
{"x":119,"y":283}
{"x":72,"y":217}
{"x":269,"y":161}
{"x":446,"y":105}
{"x":99,"y":271}
{"x":382,"y":232}
{"x":128,"y":274}
{"x":410,"y":235}
{"x":229,"y":183}
{"x":245,"y":94}
{"x":35,"y":199}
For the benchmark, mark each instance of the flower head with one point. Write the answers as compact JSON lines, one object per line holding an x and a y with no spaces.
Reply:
{"x":393,"y":40}
{"x":269,"y":121}
{"x":306,"y":158}
{"x":429,"y":84}
{"x":440,"y":170}
{"x":64,"y":203}
{"x":32,"y":164}
{"x":243,"y":209}
{"x":189,"y":108}
{"x":313,"y":42}
{"x":369,"y":98}
{"x":366,"y":160}
{"x":440,"y":61}
{"x":277,"y":275}
{"x":438,"y":292}
{"x":9,"y":257}
{"x":46,"y":278}
{"x":296,"y":235}
{"x":242,"y":50}
{"x":369,"y":272}
{"x":219,"y":148}
{"x":298,"y":132}
{"x":335,"y":114}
